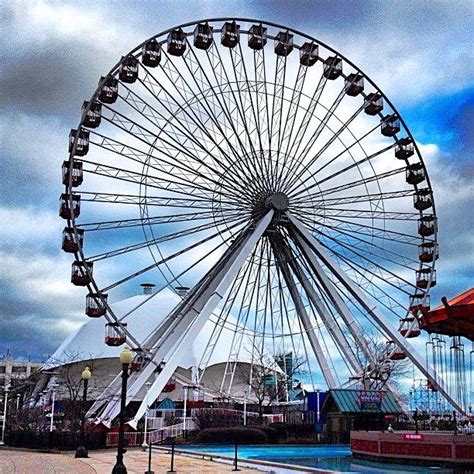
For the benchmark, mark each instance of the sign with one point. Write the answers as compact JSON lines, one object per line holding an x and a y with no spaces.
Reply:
{"x":371,"y":400}
{"x":413,"y":437}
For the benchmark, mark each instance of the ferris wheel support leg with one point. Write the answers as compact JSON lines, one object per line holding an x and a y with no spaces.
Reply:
{"x":373,"y":311}
{"x":192,"y":321}
{"x":180,"y":320}
{"x":354,"y":327}
{"x":327,"y":318}
{"x":303,"y":315}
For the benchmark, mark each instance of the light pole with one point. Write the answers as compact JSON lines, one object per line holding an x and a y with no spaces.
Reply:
{"x":145,"y":445}
{"x":185,"y":407}
{"x":81,"y":451}
{"x":126,"y":357}
{"x":51,"y":425}
{"x":4,"y":421}
{"x":318,"y":413}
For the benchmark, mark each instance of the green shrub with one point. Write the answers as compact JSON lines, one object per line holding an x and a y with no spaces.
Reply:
{"x":232,"y":435}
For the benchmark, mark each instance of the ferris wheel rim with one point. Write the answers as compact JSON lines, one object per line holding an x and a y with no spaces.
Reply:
{"x":114,"y":72}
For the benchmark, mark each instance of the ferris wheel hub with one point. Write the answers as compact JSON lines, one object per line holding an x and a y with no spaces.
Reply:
{"x":278,"y":201}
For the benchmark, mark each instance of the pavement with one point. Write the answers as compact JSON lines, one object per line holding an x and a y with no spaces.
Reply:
{"x":101,"y":462}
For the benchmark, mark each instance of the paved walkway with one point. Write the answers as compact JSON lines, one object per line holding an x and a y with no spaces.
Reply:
{"x":101,"y":462}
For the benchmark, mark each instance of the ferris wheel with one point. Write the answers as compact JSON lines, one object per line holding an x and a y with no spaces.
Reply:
{"x":262,"y":169}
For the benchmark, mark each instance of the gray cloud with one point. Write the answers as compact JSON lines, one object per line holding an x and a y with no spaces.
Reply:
{"x":54,"y":54}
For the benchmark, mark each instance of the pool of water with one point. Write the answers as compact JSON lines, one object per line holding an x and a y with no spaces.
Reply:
{"x":337,"y":458}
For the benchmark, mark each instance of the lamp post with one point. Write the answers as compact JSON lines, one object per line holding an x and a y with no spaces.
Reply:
{"x":81,"y":451}
{"x":4,"y":421}
{"x":318,"y":413}
{"x":126,"y":357}
{"x":51,"y":425}
{"x":185,"y":407}
{"x":145,"y":445}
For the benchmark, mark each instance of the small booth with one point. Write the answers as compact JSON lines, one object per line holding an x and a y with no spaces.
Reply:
{"x":349,"y":409}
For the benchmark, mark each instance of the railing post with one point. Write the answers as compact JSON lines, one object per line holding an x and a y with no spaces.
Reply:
{"x":149,"y":459}
{"x":236,"y":467}
{"x":172,"y":459}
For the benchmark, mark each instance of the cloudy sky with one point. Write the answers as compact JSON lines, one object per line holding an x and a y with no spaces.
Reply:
{"x":53,"y":53}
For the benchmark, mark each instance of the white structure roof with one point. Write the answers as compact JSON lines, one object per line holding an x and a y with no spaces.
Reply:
{"x":87,"y":342}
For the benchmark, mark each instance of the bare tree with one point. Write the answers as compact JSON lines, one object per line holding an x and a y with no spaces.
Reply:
{"x":379,"y":369}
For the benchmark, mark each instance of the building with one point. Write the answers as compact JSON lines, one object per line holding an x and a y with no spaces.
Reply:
{"x":86,"y":347}
{"x":347,"y":410}
{"x":13,"y":372}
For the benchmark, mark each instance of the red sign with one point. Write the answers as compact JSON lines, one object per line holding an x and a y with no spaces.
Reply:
{"x":413,"y":437}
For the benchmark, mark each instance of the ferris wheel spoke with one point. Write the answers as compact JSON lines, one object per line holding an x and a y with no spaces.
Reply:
{"x":334,"y":159}
{"x":263,"y":112}
{"x":169,"y":258}
{"x":379,"y":294}
{"x":363,"y":246}
{"x":312,"y":140}
{"x":236,"y":109}
{"x":148,"y":138}
{"x":155,"y":182}
{"x":360,"y":182}
{"x":370,"y":197}
{"x":355,"y":235}
{"x":153,"y":220}
{"x":355,"y":164}
{"x":277,"y":109}
{"x":161,"y":239}
{"x":376,"y":232}
{"x":136,"y":199}
{"x":248,"y":108}
{"x":176,"y":278}
{"x":386,"y":275}
{"x":366,"y":214}
{"x":142,"y":157}
{"x":200,"y":119}
{"x":240,"y":68}
{"x":308,"y":114}
{"x":294,"y":104}
{"x":196,"y":124}
{"x":290,"y":121}
{"x":219,"y":106}
{"x":152,"y":115}
{"x":336,"y":135}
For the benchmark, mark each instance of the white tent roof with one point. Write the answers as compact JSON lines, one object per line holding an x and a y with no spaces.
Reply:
{"x":87,"y":342}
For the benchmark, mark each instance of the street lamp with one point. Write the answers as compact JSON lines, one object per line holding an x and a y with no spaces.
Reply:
{"x":126,"y":357}
{"x":185,"y":407}
{"x":51,"y":425}
{"x":4,"y":421}
{"x":81,"y":451}
{"x":318,"y":413}
{"x":145,"y":445}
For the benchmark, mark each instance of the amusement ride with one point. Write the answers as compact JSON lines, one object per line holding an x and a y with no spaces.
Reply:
{"x":267,"y":180}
